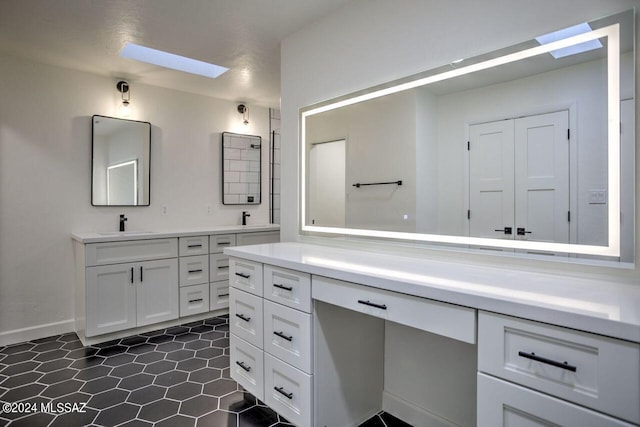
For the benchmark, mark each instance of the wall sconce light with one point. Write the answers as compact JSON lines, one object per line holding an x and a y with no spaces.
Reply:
{"x":244,"y":110}
{"x":125,"y":94}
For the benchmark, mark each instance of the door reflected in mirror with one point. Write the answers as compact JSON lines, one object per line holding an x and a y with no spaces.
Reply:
{"x":516,"y":150}
{"x":120,"y":162}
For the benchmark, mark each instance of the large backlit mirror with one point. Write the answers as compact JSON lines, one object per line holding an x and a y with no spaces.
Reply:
{"x":528,"y":149}
{"x":121,"y":151}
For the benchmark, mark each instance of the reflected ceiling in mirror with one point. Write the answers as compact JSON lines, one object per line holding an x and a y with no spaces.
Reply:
{"x":120,"y":162}
{"x":515,"y":150}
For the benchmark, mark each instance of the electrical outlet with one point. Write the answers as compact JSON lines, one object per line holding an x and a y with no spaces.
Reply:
{"x":209,"y":209}
{"x":164,"y":209}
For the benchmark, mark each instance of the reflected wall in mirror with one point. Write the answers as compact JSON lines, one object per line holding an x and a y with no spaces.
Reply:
{"x":516,"y":150}
{"x":120,"y":162}
{"x":241,"y":173}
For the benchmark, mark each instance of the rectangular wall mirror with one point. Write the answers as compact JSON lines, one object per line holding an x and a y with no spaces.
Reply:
{"x":241,"y":174}
{"x":528,"y":149}
{"x":120,"y":162}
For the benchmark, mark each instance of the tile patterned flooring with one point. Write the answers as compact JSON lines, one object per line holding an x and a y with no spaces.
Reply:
{"x":177,"y":376}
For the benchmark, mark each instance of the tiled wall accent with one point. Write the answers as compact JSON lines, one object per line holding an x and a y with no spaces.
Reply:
{"x":274,"y":165}
{"x":241,"y":169}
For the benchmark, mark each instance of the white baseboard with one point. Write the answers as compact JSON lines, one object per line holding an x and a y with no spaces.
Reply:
{"x":412,"y":414}
{"x":36,"y":332}
{"x":153,"y":327}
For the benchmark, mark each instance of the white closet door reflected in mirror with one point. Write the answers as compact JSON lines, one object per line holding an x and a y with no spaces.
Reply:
{"x":519,"y":178}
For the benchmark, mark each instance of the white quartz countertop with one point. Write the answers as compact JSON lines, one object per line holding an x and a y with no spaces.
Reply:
{"x":113,"y":236}
{"x":595,"y":306}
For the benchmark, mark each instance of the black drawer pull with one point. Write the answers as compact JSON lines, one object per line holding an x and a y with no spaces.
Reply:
{"x":223,"y":243}
{"x":195,"y":271}
{"x":223,"y":267}
{"x":141,"y":274}
{"x":283,"y":336}
{"x":286,"y":288}
{"x":244,"y":276}
{"x":131,"y":274}
{"x":533,"y":356}
{"x":380,"y":306}
{"x":223,"y":295}
{"x":284,"y":393}
{"x":194,"y":246}
{"x":243,"y":317}
{"x":243,"y":366}
{"x":191,"y":301}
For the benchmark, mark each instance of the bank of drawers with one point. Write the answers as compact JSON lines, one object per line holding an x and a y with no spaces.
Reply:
{"x":204,"y":273}
{"x":219,"y":270}
{"x":193,"y":275}
{"x":271,"y":336}
{"x":596,"y":372}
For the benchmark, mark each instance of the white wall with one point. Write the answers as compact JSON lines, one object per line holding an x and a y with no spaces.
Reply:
{"x":380,"y":144}
{"x":369,"y":42}
{"x":45,"y":162}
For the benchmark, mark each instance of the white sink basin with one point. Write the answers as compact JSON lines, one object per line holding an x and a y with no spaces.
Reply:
{"x":124,"y":233}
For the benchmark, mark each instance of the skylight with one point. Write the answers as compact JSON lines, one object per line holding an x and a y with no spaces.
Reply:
{"x":170,"y":60}
{"x":568,"y":32}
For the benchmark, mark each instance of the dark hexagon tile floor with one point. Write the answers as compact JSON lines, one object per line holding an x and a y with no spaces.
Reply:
{"x":177,"y":376}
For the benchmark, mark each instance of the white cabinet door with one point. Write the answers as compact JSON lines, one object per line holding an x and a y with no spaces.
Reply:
{"x":110,"y":298}
{"x":157,"y":291}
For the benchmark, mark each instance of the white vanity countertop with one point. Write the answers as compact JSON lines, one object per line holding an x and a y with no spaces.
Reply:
{"x":595,"y":306}
{"x":114,"y":236}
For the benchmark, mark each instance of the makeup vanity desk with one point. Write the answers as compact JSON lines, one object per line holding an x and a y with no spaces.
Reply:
{"x":327,"y":337}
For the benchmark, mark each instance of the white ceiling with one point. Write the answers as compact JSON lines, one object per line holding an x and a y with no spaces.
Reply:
{"x":87,"y":35}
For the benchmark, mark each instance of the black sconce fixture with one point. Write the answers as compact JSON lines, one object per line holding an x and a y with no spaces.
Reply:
{"x":244,"y":110}
{"x":125,"y":94}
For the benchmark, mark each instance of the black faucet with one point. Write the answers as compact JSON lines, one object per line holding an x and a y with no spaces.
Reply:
{"x":122,"y":220}
{"x":245,"y":214}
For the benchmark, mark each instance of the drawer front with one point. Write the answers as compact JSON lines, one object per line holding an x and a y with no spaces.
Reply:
{"x":194,"y":300}
{"x":288,"y":287}
{"x":246,"y":275}
{"x":219,"y":267}
{"x":245,"y":316}
{"x":247,"y":366}
{"x":130,"y":251}
{"x":218,"y":242}
{"x":218,"y":295}
{"x":444,"y":319}
{"x":193,"y":245}
{"x":194,"y":270}
{"x":504,"y":404}
{"x":288,"y":391}
{"x":601,"y":373}
{"x":258,"y":238}
{"x":287,"y":335}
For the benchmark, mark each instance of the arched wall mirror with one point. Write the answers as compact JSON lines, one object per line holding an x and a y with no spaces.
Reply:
{"x":120,"y":162}
{"x":527,"y":149}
